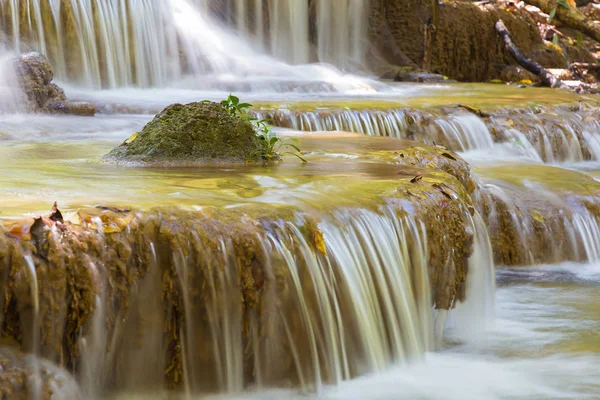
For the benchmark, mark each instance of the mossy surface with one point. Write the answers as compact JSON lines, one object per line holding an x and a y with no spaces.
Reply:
{"x":201,"y":132}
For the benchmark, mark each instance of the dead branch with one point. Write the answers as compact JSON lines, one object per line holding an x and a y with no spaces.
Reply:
{"x":546,"y":77}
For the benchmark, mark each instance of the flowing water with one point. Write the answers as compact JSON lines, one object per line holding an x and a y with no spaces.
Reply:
{"x":350,"y":311}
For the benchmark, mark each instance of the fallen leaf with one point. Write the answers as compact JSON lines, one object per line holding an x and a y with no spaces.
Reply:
{"x":113,"y":209}
{"x":416,"y":178}
{"x":320,"y":242}
{"x":474,"y":110}
{"x":536,"y":215}
{"x":446,"y":193}
{"x":56,"y":215}
{"x":131,"y":138}
{"x":448,"y":155}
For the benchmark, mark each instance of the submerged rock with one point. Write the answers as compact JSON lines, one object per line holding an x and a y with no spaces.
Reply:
{"x":35,"y":75}
{"x":201,"y":132}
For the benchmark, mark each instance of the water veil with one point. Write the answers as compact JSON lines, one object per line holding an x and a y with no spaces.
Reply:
{"x":180,"y":43}
{"x":11,"y":98}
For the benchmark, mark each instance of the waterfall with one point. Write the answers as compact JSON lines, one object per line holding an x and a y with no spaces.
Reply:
{"x":539,"y":138}
{"x":35,"y":379}
{"x":288,"y":22}
{"x":342,"y":31}
{"x":153,"y":43}
{"x":221,"y":302}
{"x":11,"y":97}
{"x":547,"y":227}
{"x":459,"y":132}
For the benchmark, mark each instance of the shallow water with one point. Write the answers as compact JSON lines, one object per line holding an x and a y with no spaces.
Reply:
{"x":370,"y":94}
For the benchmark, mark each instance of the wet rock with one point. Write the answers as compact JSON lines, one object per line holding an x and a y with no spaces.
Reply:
{"x":74,"y":108}
{"x":202,"y":132}
{"x":420,"y":76}
{"x":514,"y":73}
{"x":22,"y":377}
{"x":41,"y":95}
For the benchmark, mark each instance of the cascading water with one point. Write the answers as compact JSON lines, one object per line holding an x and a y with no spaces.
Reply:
{"x":11,"y":97}
{"x":311,"y":302}
{"x":520,"y":225}
{"x":526,"y":134}
{"x":340,"y":28}
{"x":459,"y":132}
{"x":150,"y":43}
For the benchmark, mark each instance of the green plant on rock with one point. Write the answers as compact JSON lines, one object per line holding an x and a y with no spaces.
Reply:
{"x":270,"y":147}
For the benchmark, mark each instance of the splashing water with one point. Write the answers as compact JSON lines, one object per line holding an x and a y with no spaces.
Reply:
{"x":11,"y":97}
{"x":155,"y":43}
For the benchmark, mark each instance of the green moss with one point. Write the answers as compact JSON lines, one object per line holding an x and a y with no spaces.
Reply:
{"x":195,"y":132}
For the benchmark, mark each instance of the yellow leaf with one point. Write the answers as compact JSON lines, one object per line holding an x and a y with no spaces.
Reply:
{"x":320,"y":242}
{"x":496,"y":81}
{"x":535,"y":214}
{"x":131,"y":138}
{"x":525,"y":82}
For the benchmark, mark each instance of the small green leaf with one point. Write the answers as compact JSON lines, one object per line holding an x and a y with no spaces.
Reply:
{"x":579,"y":39}
{"x":234,"y":100}
{"x":552,"y":14}
{"x":555,"y":39}
{"x":293,"y":146}
{"x":562,"y":3}
{"x":244,"y":105}
{"x":274,"y":139}
{"x":295,"y":155}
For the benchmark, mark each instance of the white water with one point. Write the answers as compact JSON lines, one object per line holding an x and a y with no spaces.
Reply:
{"x":35,"y":379}
{"x":460,"y":132}
{"x":341,"y":29}
{"x":155,"y":43}
{"x":10,"y":94}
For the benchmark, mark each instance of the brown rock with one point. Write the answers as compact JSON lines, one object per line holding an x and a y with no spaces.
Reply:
{"x":83,"y":109}
{"x":41,"y":95}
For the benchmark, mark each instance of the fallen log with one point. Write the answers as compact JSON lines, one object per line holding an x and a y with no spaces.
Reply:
{"x":545,"y":77}
{"x":569,"y":16}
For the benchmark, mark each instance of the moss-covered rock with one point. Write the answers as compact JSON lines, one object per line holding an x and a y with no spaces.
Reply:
{"x":201,"y":132}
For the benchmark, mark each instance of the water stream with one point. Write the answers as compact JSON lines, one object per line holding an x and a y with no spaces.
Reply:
{"x":317,"y":281}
